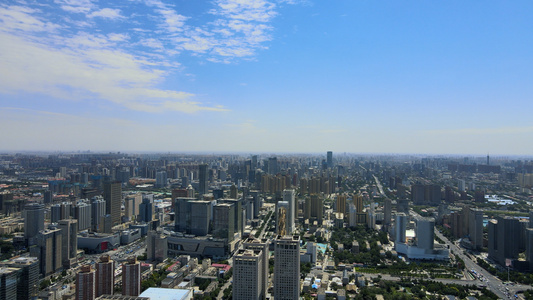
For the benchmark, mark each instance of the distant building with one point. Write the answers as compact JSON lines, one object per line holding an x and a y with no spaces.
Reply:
{"x":69,"y":247}
{"x":33,"y":221}
{"x":113,"y":199}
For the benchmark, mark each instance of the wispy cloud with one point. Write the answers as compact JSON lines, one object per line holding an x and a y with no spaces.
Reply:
{"x":107,"y":13}
{"x":67,"y":49}
{"x":482,"y":131}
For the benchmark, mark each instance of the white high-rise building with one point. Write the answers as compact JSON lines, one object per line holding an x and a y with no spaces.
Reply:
{"x":287,"y":267}
{"x":400,"y":226}
{"x":248,"y":274}
{"x":289,"y":196}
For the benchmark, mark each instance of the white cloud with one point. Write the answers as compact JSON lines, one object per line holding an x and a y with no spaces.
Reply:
{"x":21,"y":18}
{"x":76,"y":6}
{"x":107,"y":13}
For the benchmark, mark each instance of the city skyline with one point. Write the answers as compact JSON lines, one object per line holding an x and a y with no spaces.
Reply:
{"x":291,"y":76}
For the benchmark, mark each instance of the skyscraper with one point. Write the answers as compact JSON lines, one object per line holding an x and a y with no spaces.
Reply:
{"x":260,"y":245}
{"x":105,"y":276}
{"x":33,"y":221}
{"x":282,"y":218}
{"x":247,"y":274}
{"x":425,"y":233}
{"x":200,"y":217}
{"x":85,"y":284}
{"x":341,"y":203}
{"x":330,"y":159}
{"x":203,"y":179}
{"x":47,"y":248}
{"x":27,"y":277}
{"x":161,"y":179}
{"x":98,"y":210}
{"x":69,"y":246}
{"x":8,"y":283}
{"x":289,"y":196}
{"x":287,"y":267}
{"x":131,"y":277}
{"x":400,"y":226}
{"x":224,"y":221}
{"x":113,"y":199}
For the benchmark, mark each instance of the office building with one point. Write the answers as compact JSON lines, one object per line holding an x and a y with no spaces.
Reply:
{"x":224,"y":221}
{"x":503,"y":239}
{"x":400,"y":227}
{"x":161,"y":180}
{"x":425,"y":233}
{"x":145,"y":211}
{"x":260,"y":245}
{"x":113,"y":200}
{"x":203,"y":179}
{"x":248,"y":274}
{"x":272,"y":166}
{"x":289,"y":197}
{"x":55,"y":213}
{"x":387,"y":213}
{"x":475,"y":227}
{"x":282,"y":218}
{"x":200,"y":217}
{"x":83,"y":213}
{"x":329,"y":159}
{"x":48,"y":249}
{"x":105,"y":276}
{"x":341,"y":203}
{"x":287,"y":267}
{"x":317,"y":207}
{"x":98,"y":210}
{"x":182,"y":211}
{"x":8,"y":283}
{"x":157,"y":246}
{"x":69,"y":247}
{"x":27,"y":282}
{"x":86,"y":284}
{"x":131,"y":277}
{"x":33,"y":221}
{"x":237,"y":206}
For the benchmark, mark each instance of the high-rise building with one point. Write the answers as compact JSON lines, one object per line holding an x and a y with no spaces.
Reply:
{"x":98,"y":210}
{"x":330,"y":159}
{"x":287,"y":267}
{"x":69,"y":247}
{"x":237,"y":206}
{"x":203,"y":179}
{"x":317,"y":207}
{"x":200,"y":217}
{"x":47,"y":248}
{"x":260,"y":245}
{"x":131,"y":277}
{"x":113,"y":199}
{"x":182,"y":211}
{"x":157,"y":246}
{"x":8,"y":283}
{"x":425,"y":233}
{"x":272,"y":166}
{"x":289,"y":196}
{"x":247,"y":274}
{"x":282,"y":218}
{"x":224,"y":221}
{"x":161,"y":180}
{"x":33,"y":221}
{"x":27,"y":281}
{"x":503,"y":239}
{"x":475,"y":227}
{"x":400,"y":227}
{"x":86,"y":284}
{"x":48,"y":196}
{"x":105,"y":276}
{"x":387,"y":213}
{"x":145,"y":211}
{"x":341,"y":203}
{"x":83,"y":213}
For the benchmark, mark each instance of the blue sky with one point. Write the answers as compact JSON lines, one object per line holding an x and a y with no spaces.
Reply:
{"x":267,"y":76}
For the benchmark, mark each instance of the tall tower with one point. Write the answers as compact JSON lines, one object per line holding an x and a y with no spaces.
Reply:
{"x":85,"y":284}
{"x":282,"y":218}
{"x":105,"y":276}
{"x":330,"y":159}
{"x":289,"y":196}
{"x":287,"y":267}
{"x":131,"y":277}
{"x":260,"y":245}
{"x":400,"y":226}
{"x":69,"y":247}
{"x":33,"y":221}
{"x":27,"y":279}
{"x":224,"y":221}
{"x":341,"y":203}
{"x":203,"y":180}
{"x":248,"y":274}
{"x":113,"y":200}
{"x":425,"y":233}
